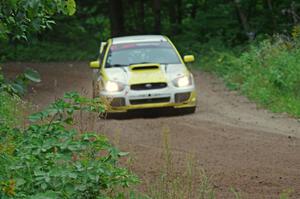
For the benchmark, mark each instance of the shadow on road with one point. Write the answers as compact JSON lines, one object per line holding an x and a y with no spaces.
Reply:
{"x":147,"y":113}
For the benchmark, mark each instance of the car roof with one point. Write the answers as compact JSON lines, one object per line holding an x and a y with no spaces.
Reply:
{"x":139,"y":38}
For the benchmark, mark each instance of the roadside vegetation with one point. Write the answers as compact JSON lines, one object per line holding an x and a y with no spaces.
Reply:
{"x":253,"y":45}
{"x":50,"y":158}
{"x":266,"y":71}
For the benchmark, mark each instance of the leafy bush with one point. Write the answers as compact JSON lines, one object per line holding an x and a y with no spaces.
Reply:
{"x":11,"y":105}
{"x":19,"y":85}
{"x":51,"y":160}
{"x":267,"y":72}
{"x":21,"y":17}
{"x":51,"y":51}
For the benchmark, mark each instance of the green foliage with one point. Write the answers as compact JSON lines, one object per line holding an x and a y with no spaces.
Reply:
{"x":73,"y":37}
{"x":49,"y":159}
{"x":21,"y":17}
{"x":18,"y":85}
{"x":11,"y":109}
{"x":78,"y":37}
{"x":70,"y":7}
{"x":268,"y":73}
{"x":51,"y":51}
{"x":286,"y":194}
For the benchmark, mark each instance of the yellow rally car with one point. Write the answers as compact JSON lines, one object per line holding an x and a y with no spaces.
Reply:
{"x":140,"y":72}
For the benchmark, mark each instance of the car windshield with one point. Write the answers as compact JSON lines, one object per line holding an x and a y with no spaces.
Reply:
{"x":144,"y":52}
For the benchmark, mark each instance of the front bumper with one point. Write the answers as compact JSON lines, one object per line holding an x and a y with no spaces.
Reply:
{"x":156,"y":98}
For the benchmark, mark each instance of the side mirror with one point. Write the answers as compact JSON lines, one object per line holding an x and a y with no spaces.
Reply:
{"x":189,"y":58}
{"x":95,"y":64}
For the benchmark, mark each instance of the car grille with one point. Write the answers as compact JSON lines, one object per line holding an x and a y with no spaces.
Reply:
{"x":148,"y":86}
{"x":150,"y":100}
{"x":182,"y":97}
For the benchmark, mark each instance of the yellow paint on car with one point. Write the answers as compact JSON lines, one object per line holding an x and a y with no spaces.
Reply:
{"x":146,"y":76}
{"x":94,"y":64}
{"x":189,"y":58}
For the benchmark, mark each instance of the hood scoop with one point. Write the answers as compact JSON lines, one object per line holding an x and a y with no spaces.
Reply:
{"x":142,"y":67}
{"x":146,"y":73}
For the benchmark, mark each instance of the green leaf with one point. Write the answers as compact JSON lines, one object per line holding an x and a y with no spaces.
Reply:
{"x":39,"y":173}
{"x":44,"y":186}
{"x":80,"y":187}
{"x":18,"y":88}
{"x":35,"y":117}
{"x":69,"y":120}
{"x":71,"y":7}
{"x":32,"y":75}
{"x":46,"y":195}
{"x":20,"y":182}
{"x":73,"y":175}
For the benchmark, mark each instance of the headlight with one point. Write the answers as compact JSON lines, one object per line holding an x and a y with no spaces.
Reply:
{"x":112,"y":86}
{"x":183,"y":81}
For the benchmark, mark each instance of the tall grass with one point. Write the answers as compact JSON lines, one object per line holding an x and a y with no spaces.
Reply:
{"x":191,"y":183}
{"x":267,"y":72}
{"x":12,"y":110}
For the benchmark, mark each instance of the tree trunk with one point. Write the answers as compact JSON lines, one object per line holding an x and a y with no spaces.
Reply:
{"x":116,"y":18}
{"x":141,"y":14}
{"x":172,"y":13}
{"x":243,"y":19}
{"x":270,"y":7}
{"x":157,"y":16}
{"x":175,"y":15}
{"x":251,"y":9}
{"x":194,"y":9}
{"x":172,"y":17}
{"x":179,"y":12}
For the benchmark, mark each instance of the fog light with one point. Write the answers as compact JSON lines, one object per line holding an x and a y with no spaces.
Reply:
{"x":182,"y":97}
{"x":117,"y":102}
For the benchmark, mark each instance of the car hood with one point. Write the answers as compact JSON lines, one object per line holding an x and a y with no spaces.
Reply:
{"x":146,"y":73}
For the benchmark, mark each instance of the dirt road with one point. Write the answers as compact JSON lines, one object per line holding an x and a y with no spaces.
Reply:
{"x":239,"y":144}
